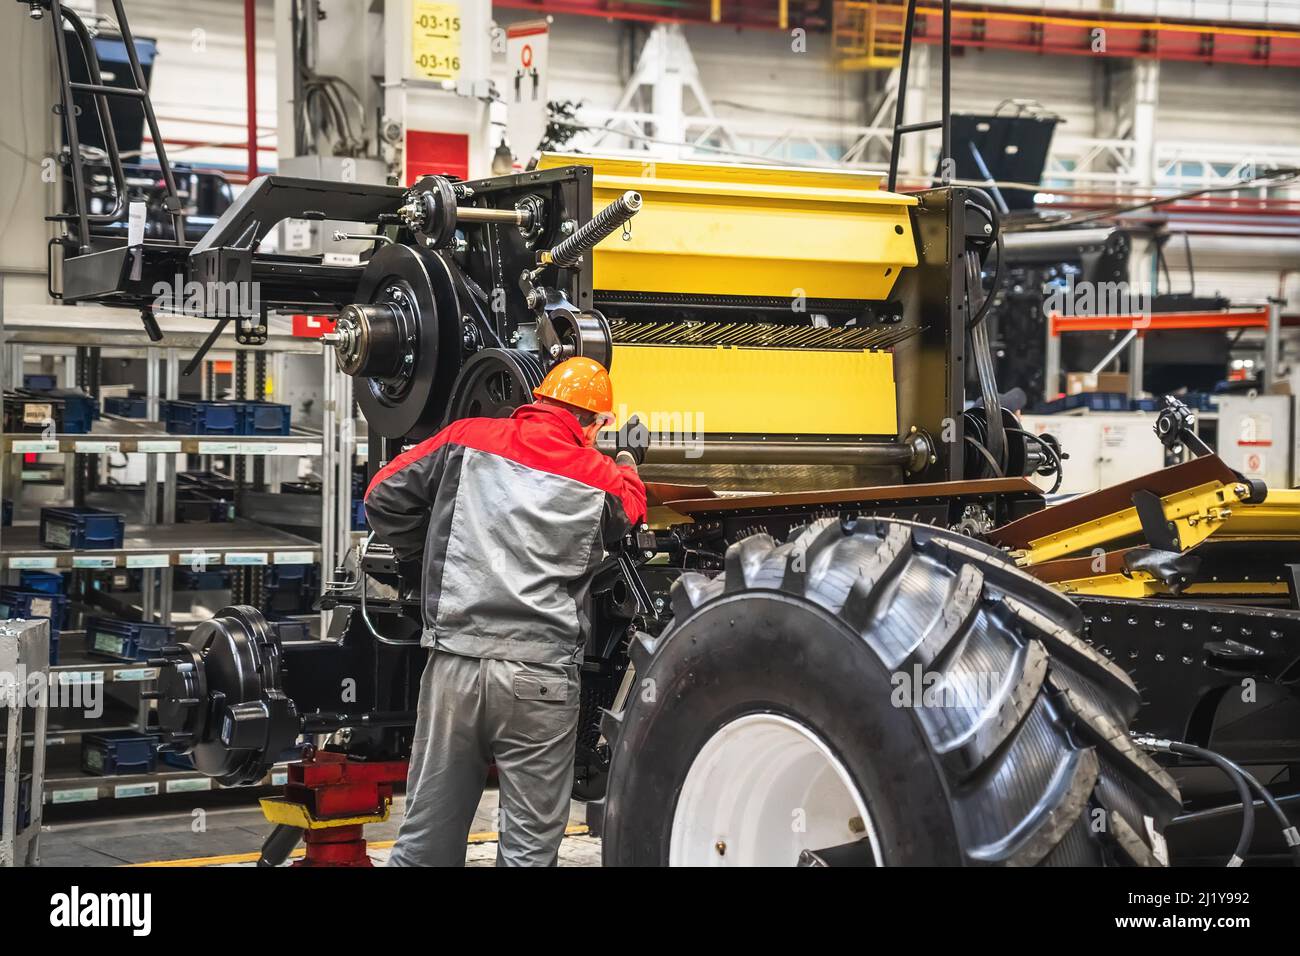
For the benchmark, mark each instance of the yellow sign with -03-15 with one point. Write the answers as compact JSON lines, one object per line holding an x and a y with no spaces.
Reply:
{"x":435,"y":40}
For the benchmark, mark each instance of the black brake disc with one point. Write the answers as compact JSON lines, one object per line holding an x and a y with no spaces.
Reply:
{"x":416,"y":285}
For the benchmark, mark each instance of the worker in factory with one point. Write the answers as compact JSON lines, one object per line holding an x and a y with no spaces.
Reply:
{"x":508,"y":520}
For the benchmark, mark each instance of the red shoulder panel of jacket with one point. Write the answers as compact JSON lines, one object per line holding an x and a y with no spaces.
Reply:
{"x":537,"y":436}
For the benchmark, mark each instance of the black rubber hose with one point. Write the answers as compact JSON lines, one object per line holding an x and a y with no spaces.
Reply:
{"x":1290,"y":834}
{"x":1235,"y":775}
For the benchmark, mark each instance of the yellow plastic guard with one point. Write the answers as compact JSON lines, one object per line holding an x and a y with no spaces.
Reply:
{"x":712,"y":229}
{"x":696,"y":391}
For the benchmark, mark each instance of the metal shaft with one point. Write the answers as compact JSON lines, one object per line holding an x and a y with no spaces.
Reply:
{"x":510,"y":217}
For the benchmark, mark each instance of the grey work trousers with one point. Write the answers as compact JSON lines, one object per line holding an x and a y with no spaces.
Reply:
{"x":473,"y":712}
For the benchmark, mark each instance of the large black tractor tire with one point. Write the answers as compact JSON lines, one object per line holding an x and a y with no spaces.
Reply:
{"x":1018,"y":755}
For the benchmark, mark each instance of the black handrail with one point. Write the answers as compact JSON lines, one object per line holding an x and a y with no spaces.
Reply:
{"x":900,"y":98}
{"x":104,"y":113}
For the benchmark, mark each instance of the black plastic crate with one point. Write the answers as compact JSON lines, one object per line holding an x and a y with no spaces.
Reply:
{"x":291,"y":630}
{"x":126,"y":640}
{"x":201,"y":418}
{"x":207,"y":481}
{"x":209,"y":579}
{"x":194,"y":506}
{"x":81,"y":528}
{"x":7,"y":512}
{"x":300,"y":487}
{"x":117,"y":752}
{"x":31,"y":413}
{"x":290,"y":588}
{"x":263,"y":418}
{"x":127,"y":406}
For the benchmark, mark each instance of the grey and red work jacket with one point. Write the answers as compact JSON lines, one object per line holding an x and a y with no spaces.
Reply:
{"x":511,"y":516}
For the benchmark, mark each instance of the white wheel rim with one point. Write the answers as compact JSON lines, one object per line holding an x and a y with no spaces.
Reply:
{"x":760,"y":791}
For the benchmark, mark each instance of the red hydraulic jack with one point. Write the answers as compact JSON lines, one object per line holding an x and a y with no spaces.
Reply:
{"x":328,"y":801}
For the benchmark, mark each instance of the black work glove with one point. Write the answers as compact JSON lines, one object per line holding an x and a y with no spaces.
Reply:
{"x":633,"y":438}
{"x":410,"y":571}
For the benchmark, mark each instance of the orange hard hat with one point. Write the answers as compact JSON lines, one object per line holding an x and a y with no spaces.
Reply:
{"x":580,"y":382}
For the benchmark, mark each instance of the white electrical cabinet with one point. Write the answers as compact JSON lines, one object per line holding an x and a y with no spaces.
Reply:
{"x":1256,"y":437}
{"x":1103,"y":449}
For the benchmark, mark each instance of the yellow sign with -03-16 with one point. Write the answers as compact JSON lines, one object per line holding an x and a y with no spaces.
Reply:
{"x":435,"y":40}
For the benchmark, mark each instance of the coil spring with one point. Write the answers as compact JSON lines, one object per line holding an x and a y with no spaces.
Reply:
{"x":570,"y":252}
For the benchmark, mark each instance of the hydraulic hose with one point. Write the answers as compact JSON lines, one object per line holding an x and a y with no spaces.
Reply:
{"x":1290,"y":833}
{"x":1234,"y":774}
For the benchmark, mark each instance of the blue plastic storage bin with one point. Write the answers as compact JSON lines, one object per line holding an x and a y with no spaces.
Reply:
{"x":126,"y":640}
{"x":117,"y":752}
{"x":24,"y":799}
{"x":31,"y":604}
{"x":40,"y":383}
{"x":79,"y":409}
{"x":81,"y":528}
{"x":8,"y":512}
{"x":358,"y":514}
{"x":127,"y":406}
{"x":17,"y":603}
{"x":201,"y":418}
{"x":263,"y":418}
{"x":1093,"y":401}
{"x":46,"y":582}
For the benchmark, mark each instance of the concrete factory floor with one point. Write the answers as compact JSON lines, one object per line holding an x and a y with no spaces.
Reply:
{"x":233,"y":837}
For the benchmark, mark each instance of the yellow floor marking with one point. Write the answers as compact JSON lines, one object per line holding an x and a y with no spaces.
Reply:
{"x":228,"y":858}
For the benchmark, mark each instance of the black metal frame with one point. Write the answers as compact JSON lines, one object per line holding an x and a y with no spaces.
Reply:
{"x":944,"y":123}
{"x":101,"y":92}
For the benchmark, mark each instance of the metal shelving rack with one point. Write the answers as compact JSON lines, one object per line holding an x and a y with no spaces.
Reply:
{"x":158,"y":543}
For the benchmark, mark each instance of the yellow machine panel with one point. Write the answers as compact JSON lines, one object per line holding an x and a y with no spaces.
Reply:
{"x":721,"y":390}
{"x":750,"y":230}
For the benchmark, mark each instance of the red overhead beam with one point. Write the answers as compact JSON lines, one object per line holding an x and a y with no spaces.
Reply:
{"x":1159,"y":321}
{"x":987,"y":26}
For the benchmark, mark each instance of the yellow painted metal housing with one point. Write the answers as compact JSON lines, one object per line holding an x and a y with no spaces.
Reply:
{"x":750,"y":230}
{"x":694,"y":391}
{"x":281,"y":811}
{"x":1195,"y":512}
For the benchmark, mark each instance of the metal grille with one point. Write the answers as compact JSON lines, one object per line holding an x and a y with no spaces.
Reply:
{"x":759,"y":334}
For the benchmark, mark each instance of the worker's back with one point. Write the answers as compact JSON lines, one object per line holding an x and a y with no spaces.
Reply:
{"x":511,"y":518}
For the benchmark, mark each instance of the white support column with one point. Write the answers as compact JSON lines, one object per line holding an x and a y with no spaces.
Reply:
{"x":666,"y":67}
{"x":1146,"y":98}
{"x":913,"y":159}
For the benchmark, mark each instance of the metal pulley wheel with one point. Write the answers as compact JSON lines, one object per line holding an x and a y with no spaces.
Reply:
{"x":220,"y":697}
{"x":494,"y":383}
{"x":582,"y":333}
{"x":401,"y":340}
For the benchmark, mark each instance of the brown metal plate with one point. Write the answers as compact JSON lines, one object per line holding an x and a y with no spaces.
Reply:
{"x":665,"y":492}
{"x":848,"y":496}
{"x":1109,"y":501}
{"x":1070,"y":569}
